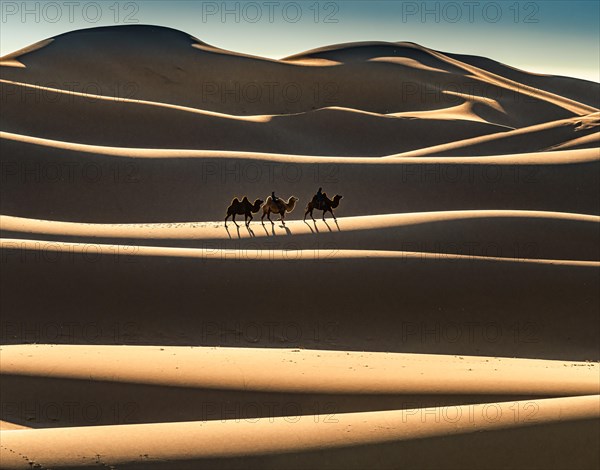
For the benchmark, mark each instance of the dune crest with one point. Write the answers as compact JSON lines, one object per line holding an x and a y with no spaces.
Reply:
{"x":303,"y":371}
{"x":173,"y":442}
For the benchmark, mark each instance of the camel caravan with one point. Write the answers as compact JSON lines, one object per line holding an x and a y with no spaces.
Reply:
{"x":275,"y":205}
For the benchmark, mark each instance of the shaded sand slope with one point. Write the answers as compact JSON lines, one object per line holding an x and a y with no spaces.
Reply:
{"x":162,"y":384}
{"x":580,"y":142}
{"x":161,"y":64}
{"x":130,"y":123}
{"x":44,"y":402}
{"x":584,"y":91}
{"x":545,"y":309}
{"x":92,"y":119}
{"x":62,"y":181}
{"x":176,"y":443}
{"x":529,"y":139}
{"x":408,"y":53}
{"x":512,"y":234}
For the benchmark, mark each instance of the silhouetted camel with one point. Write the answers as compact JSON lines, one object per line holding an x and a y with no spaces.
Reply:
{"x":280,"y":207}
{"x":243,"y":207}
{"x":325,"y":205}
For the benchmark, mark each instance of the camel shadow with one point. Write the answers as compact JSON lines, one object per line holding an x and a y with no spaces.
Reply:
{"x":228,"y":232}
{"x":273,"y":226}
{"x":328,"y":227}
{"x":250,"y":231}
{"x":265,"y":229}
{"x":272,"y":233}
{"x":311,"y":229}
{"x":337,"y":225}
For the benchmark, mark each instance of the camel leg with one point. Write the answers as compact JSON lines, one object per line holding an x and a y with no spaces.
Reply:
{"x":250,"y":216}
{"x":233,"y":219}
{"x":334,"y":217}
{"x":281,"y":217}
{"x":324,"y":212}
{"x":226,"y":219}
{"x":309,"y":209}
{"x":269,"y":217}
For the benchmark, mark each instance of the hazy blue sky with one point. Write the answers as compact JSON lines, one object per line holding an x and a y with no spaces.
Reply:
{"x":558,"y":37}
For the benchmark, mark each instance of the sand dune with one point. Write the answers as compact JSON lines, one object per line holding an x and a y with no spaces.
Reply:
{"x":170,"y":443}
{"x":529,"y":313}
{"x":480,"y":67}
{"x":121,"y":122}
{"x":447,"y":319}
{"x":529,"y":139}
{"x":334,"y":372}
{"x":258,"y":254}
{"x":11,"y":60}
{"x":527,"y":158}
{"x":43,"y":384}
{"x":41,"y":402}
{"x":7,"y":426}
{"x":578,"y":90}
{"x":169,"y":69}
{"x":328,"y":131}
{"x":492,"y":233}
{"x":587,"y":141}
{"x":69,"y":182}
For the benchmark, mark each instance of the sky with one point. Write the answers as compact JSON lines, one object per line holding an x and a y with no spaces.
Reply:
{"x":549,"y":36}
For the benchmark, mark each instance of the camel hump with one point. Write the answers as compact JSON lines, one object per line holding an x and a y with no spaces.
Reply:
{"x":235,"y":200}
{"x":245,"y":199}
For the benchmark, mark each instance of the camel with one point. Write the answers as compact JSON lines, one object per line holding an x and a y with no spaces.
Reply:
{"x":243,"y":207}
{"x":280,"y":207}
{"x":326,"y":205}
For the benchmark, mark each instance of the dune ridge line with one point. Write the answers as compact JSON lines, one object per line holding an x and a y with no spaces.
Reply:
{"x":113,"y":445}
{"x":302,"y":370}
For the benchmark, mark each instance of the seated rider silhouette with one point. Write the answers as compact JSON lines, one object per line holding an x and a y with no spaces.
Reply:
{"x":276,"y":200}
{"x":319,"y":198}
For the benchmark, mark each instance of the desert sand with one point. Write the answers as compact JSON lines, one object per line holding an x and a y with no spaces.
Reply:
{"x":447,"y":319}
